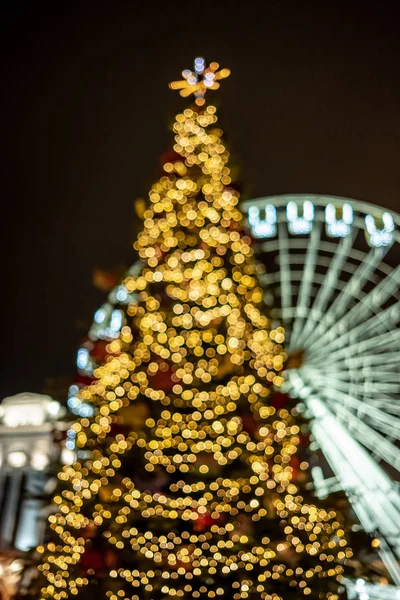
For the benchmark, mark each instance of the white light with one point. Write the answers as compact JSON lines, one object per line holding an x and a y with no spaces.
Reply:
{"x":54,"y":408}
{"x":116,"y":320}
{"x":364,"y":596}
{"x":338,"y":227}
{"x":300,"y":225}
{"x":380,"y":237}
{"x":86,"y":410}
{"x":15,"y":567}
{"x":100,"y":315}
{"x":73,"y":402}
{"x":263,"y":227}
{"x":39,"y":460}
{"x":82,"y":359}
{"x":16,"y":459}
{"x":79,"y":407}
{"x":68,"y":457}
{"x":122,"y":294}
{"x":28,"y":414}
{"x":28,"y":409}
{"x":360,"y":582}
{"x":209,"y":79}
{"x":199,"y":65}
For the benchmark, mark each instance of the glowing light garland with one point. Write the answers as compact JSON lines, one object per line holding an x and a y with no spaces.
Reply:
{"x":196,"y":354}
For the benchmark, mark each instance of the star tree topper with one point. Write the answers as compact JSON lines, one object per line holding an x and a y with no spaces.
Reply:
{"x":200,"y":80}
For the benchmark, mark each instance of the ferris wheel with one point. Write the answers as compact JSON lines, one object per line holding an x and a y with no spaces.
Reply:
{"x":333,"y":281}
{"x":334,"y":285}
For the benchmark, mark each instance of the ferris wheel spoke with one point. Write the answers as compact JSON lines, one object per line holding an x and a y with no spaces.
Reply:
{"x":371,"y":439}
{"x":387,"y":405}
{"x":367,"y":374}
{"x":375,"y":343}
{"x":355,"y":419}
{"x":373,"y":359}
{"x":285,"y":278}
{"x":360,"y":389}
{"x":366,"y":435}
{"x":375,"y":393}
{"x":368,"y":304}
{"x":391,"y":436}
{"x":368,"y":411}
{"x":349,"y":292}
{"x":385,"y":376}
{"x":358,"y":348}
{"x":328,"y":285}
{"x":306,"y":284}
{"x":384,"y":320}
{"x":367,"y":362}
{"x":333,"y":394}
{"x":378,"y":323}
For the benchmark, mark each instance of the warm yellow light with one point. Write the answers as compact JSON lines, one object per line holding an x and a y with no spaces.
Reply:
{"x":186,"y":390}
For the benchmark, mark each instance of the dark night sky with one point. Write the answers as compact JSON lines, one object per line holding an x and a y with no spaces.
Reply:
{"x":312,"y":106}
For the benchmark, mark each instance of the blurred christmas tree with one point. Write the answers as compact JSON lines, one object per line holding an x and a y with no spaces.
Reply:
{"x":188,"y":483}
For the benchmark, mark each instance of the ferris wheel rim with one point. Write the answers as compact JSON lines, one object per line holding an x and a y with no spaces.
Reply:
{"x":280,"y":200}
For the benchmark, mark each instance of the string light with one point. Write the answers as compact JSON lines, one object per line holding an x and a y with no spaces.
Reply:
{"x":220,"y":513}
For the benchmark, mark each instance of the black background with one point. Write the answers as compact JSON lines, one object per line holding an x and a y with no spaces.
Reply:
{"x":312,"y":105}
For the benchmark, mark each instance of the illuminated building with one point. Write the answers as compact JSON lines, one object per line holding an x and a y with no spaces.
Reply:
{"x":30,"y":433}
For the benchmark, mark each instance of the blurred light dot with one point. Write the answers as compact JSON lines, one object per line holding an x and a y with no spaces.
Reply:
{"x":82,"y":358}
{"x":122,"y":294}
{"x":16,"y":459}
{"x":116,"y":320}
{"x":39,"y":461}
{"x":100,"y":315}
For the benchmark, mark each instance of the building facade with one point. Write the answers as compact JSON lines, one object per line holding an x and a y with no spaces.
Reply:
{"x":31,"y":449}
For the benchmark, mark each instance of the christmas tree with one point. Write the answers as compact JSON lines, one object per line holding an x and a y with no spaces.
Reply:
{"x":186,"y":482}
